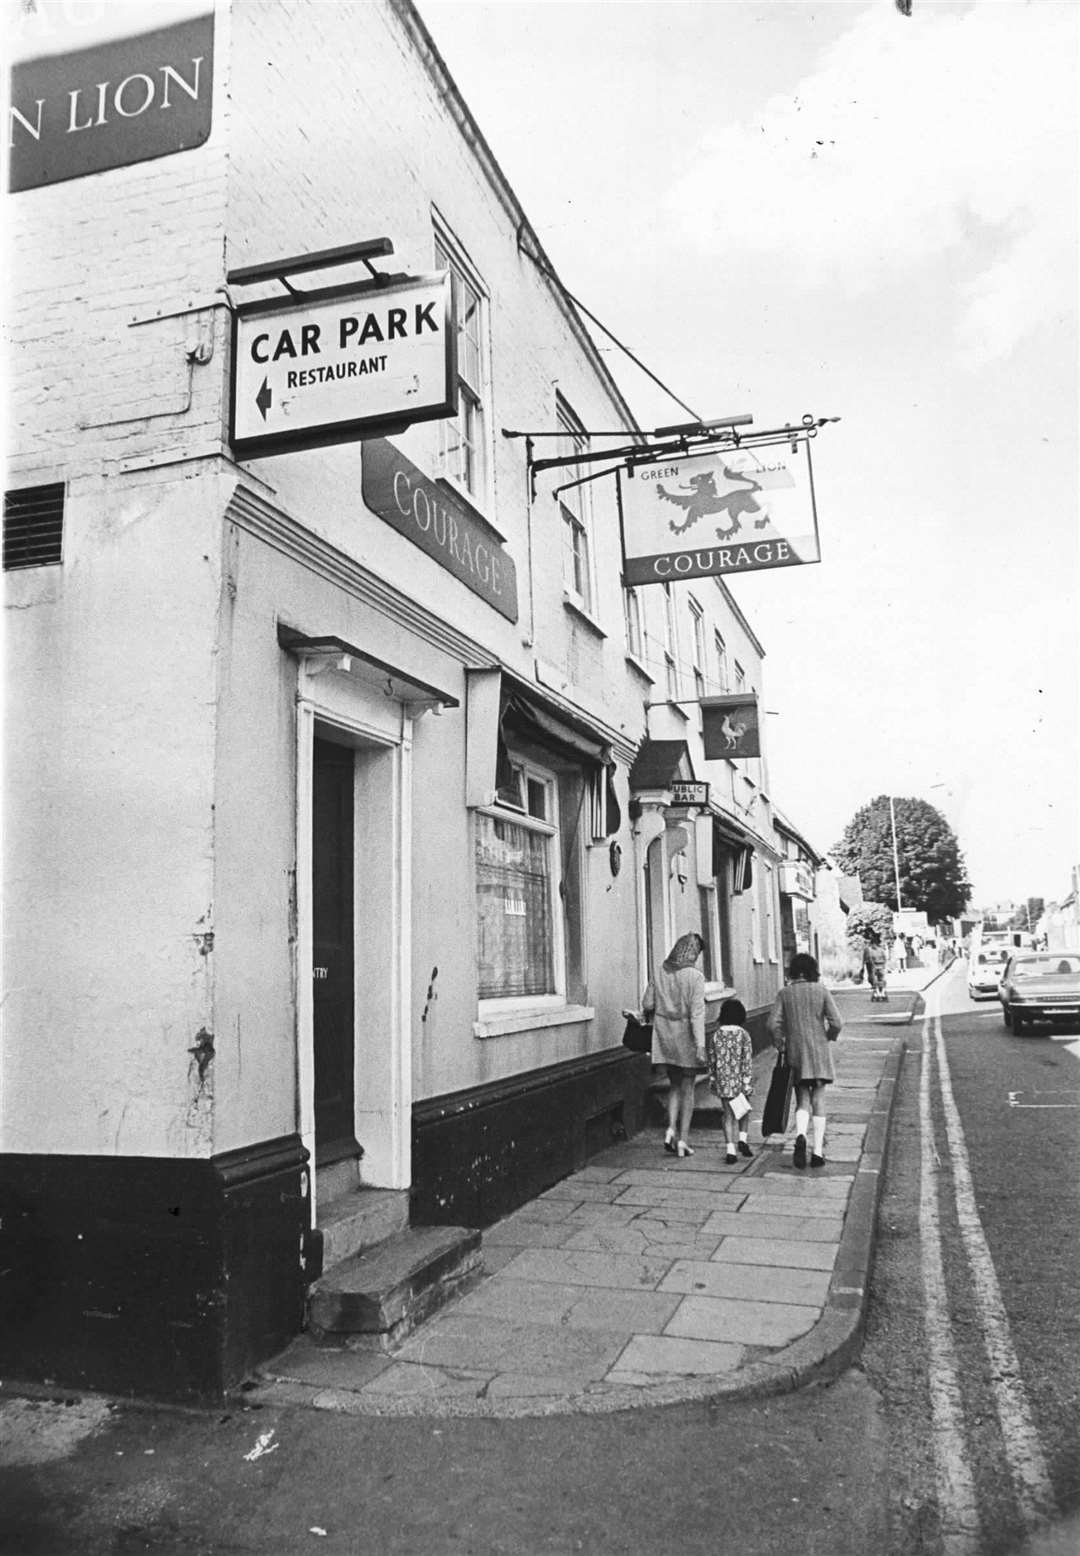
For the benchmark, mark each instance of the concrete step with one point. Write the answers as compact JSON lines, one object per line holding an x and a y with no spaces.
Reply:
{"x":357,"y":1219}
{"x":385,"y":1291}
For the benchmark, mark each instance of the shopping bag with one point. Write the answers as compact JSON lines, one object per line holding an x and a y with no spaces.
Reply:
{"x":739,"y":1105}
{"x":638,"y":1036}
{"x":774,"y":1115}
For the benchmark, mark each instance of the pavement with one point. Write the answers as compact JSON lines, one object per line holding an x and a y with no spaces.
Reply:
{"x":644,"y":1279}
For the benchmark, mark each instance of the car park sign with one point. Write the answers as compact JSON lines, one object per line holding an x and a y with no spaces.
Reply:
{"x":342,"y":364}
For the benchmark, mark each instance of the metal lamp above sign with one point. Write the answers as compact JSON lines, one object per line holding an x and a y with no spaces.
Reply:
{"x":342,"y":363}
{"x":729,"y":726}
{"x":731,"y":510}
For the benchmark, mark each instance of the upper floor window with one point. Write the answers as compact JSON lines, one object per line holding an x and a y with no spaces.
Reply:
{"x":575,"y":509}
{"x":740,"y":677}
{"x":635,"y":642}
{"x":463,"y":438}
{"x":697,"y":621}
{"x":721,"y":661}
{"x":671,"y":646}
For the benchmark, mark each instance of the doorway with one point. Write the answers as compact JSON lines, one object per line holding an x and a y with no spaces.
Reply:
{"x":333,"y":969}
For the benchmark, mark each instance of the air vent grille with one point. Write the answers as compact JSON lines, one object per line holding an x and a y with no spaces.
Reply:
{"x":34,"y":526}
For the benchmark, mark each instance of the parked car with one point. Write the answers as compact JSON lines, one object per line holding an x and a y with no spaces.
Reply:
{"x":1040,"y":986}
{"x":985,"y":969}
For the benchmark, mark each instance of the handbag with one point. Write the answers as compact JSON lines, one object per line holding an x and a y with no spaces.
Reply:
{"x":774,"y":1115}
{"x":638,"y":1036}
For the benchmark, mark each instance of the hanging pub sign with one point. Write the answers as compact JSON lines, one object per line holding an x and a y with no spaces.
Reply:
{"x":729,"y":726}
{"x":129,"y":95}
{"x":728,"y":511}
{"x":342,"y":363}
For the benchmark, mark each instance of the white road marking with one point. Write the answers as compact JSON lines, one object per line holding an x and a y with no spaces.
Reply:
{"x":1023,"y":1450}
{"x":957,"y":1505}
{"x":1071,"y":1045}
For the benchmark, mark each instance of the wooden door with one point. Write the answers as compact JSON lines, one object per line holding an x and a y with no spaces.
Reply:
{"x":333,"y":972}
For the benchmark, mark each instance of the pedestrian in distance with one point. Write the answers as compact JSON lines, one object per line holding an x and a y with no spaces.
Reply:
{"x":731,"y":1074}
{"x":675,"y":1004}
{"x":874,"y":962}
{"x":803,"y":1022}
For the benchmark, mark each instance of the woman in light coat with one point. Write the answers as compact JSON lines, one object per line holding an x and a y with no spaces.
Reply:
{"x":675,"y":1003}
{"x":803,"y":1022}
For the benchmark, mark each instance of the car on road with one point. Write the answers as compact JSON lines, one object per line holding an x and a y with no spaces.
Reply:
{"x":1040,"y":986}
{"x":985,"y":968}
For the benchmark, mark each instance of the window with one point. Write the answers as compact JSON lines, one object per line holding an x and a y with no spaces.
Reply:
{"x":697,"y":620}
{"x":517,"y":888}
{"x":740,"y":677}
{"x":710,"y":961}
{"x":575,"y":509}
{"x":463,"y":438}
{"x":632,"y":607}
{"x":770,"y":917}
{"x":34,"y":526}
{"x":671,"y":656}
{"x":755,"y":926}
{"x":721,"y":662}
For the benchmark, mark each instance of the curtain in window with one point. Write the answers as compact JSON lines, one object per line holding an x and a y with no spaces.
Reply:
{"x":513,"y":879}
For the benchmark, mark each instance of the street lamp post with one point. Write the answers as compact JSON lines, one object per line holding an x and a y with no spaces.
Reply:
{"x":895,"y":854}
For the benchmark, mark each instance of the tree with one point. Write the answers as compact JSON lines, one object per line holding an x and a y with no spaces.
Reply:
{"x":932,"y":872}
{"x":1028,"y":914}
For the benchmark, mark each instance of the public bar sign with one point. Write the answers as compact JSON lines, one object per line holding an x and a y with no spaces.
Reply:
{"x":439,"y":523}
{"x":341,"y":364}
{"x":729,"y":726}
{"x":124,"y":100}
{"x":684,"y":793}
{"x":729,"y":511}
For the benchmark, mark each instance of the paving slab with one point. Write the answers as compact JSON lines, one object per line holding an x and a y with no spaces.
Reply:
{"x":789,"y":1254}
{"x":751,"y":1282}
{"x":585,"y":1268}
{"x":787,"y":1229}
{"x":747,"y":1323}
{"x":649,"y":1356}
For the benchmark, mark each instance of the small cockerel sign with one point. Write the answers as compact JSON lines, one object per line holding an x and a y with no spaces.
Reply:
{"x":727,"y":511}
{"x":729,"y":726}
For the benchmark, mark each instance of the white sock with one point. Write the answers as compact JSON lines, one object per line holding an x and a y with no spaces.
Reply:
{"x":819,"y":1136}
{"x":742,"y":1134}
{"x":802,"y":1120}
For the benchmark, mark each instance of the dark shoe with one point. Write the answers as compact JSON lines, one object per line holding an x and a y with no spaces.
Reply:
{"x":730,"y":1159}
{"x":744,"y":1148}
{"x":800,"y":1150}
{"x":669,"y":1142}
{"x":816,"y":1160}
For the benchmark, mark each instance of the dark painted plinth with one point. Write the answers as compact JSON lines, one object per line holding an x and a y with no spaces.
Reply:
{"x":149,"y":1276}
{"x":479,"y":1154}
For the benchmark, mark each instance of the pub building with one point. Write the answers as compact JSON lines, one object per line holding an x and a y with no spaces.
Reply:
{"x":350,"y":794}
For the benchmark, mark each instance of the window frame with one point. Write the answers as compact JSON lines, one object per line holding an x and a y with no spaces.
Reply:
{"x":671,"y":647}
{"x":506,"y":1004}
{"x":575,"y":512}
{"x":697,"y":635}
{"x":473,"y":400}
{"x":632,"y":617}
{"x":720,"y":649}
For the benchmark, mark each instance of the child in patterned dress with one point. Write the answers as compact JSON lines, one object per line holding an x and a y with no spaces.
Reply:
{"x":731,"y":1071}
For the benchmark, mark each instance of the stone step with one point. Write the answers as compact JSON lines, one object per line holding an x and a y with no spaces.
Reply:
{"x":384,"y":1292}
{"x":359,"y":1219}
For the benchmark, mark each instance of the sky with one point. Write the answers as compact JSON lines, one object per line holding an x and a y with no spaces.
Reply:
{"x":836,"y":209}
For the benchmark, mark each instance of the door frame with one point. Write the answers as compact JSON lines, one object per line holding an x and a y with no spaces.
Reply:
{"x":348,"y":706}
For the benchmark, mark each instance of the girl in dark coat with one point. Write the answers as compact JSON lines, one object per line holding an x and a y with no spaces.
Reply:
{"x":803,"y":1022}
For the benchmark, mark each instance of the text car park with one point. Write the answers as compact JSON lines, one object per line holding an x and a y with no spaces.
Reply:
{"x":1040,"y":986}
